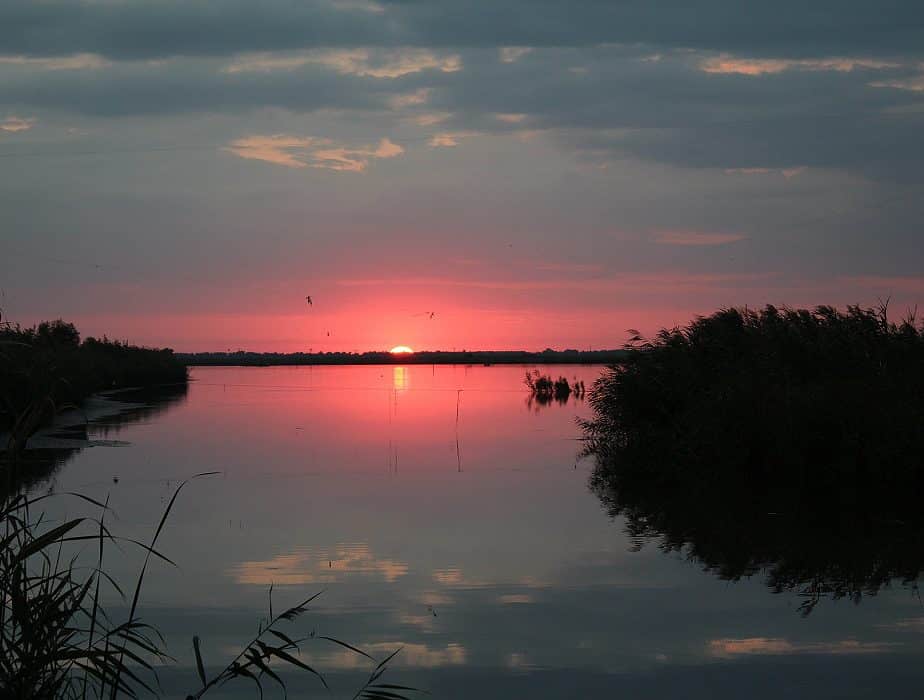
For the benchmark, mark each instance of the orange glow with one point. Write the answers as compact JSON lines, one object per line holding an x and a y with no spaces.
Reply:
{"x":400,"y":350}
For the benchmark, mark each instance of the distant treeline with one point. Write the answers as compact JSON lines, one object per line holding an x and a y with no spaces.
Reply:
{"x":47,"y":367}
{"x":438,"y":357}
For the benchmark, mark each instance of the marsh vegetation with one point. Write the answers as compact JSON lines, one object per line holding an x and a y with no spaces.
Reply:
{"x":544,"y":389}
{"x":47,"y":368}
{"x":777,"y":440}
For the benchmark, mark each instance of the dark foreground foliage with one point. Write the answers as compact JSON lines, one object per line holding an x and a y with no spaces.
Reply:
{"x":46,"y":368}
{"x":779,"y":440}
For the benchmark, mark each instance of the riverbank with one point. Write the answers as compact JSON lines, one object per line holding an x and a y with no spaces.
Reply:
{"x":47,"y":369}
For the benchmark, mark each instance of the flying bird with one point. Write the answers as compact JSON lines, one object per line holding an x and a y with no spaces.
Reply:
{"x":308,"y":299}
{"x":431,"y":314}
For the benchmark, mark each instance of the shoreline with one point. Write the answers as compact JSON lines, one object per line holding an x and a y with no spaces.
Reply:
{"x":69,"y":429}
{"x":481,"y":357}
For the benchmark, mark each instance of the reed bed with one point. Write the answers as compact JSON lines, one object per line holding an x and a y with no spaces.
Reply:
{"x":778,"y":440}
{"x":819,"y":400}
{"x":47,"y":368}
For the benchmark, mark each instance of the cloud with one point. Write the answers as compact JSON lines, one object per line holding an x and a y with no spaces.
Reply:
{"x":353,"y":159}
{"x":15,"y":124}
{"x":80,"y":61}
{"x":451,"y":577}
{"x":173,"y":27}
{"x":621,"y":107}
{"x":749,"y":171}
{"x":359,"y":5}
{"x":278,"y":149}
{"x":307,"y":152}
{"x":387,"y":149}
{"x":449,"y":139}
{"x":696,"y":238}
{"x":785,"y":172}
{"x":431,"y":118}
{"x":764,"y":66}
{"x":410,"y":99}
{"x":361,"y":62}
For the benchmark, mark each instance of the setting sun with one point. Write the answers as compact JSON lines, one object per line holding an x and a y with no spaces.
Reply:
{"x":400,"y":350}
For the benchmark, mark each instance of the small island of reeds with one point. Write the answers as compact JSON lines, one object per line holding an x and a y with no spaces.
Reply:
{"x":543,"y":389}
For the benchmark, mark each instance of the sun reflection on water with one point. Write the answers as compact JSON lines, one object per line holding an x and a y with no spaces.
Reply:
{"x":400,"y":379}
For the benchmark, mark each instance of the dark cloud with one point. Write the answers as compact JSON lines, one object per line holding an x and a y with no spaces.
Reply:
{"x":672,"y":111}
{"x":606,"y":102}
{"x":131,"y":89}
{"x":195,"y":27}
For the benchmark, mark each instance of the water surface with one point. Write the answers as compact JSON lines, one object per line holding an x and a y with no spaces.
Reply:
{"x":442,"y":512}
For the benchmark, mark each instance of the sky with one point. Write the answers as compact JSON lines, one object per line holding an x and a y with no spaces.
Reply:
{"x":538,"y":173}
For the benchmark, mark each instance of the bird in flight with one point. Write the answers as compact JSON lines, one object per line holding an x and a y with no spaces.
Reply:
{"x":308,"y":299}
{"x":430,"y":314}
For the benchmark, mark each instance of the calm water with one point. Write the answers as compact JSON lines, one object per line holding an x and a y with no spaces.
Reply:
{"x":475,"y":545}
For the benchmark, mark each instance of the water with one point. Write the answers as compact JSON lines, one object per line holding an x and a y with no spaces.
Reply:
{"x":473,"y":543}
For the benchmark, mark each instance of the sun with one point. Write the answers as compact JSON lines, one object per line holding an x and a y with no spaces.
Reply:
{"x":401,"y":350}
